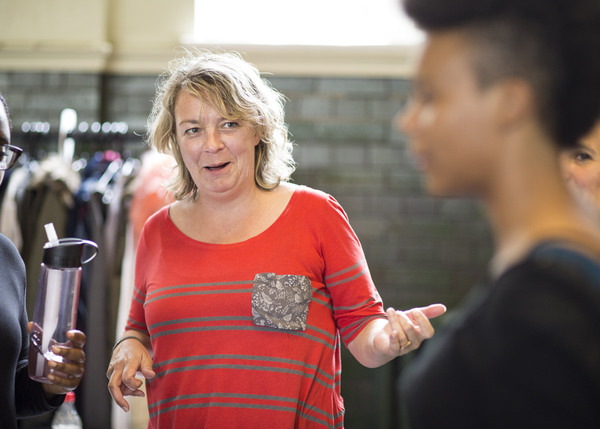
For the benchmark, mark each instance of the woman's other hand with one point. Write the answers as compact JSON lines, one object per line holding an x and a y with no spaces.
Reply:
{"x":129,"y":356}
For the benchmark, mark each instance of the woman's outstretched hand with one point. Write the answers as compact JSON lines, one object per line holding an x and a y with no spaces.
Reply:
{"x":407,"y":329}
{"x":382,"y":340}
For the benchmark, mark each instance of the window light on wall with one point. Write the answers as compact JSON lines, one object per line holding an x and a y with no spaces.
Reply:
{"x":303,"y":23}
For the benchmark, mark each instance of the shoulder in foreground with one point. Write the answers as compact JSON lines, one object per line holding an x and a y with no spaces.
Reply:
{"x":7,"y":246}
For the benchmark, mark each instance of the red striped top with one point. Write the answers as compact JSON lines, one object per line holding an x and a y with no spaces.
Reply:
{"x":217,"y":365}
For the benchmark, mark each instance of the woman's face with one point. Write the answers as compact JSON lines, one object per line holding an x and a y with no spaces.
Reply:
{"x":450,"y":120}
{"x":218,"y":152}
{"x":581,"y":168}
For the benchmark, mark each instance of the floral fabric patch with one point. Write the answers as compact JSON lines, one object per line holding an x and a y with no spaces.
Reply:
{"x":281,"y":301}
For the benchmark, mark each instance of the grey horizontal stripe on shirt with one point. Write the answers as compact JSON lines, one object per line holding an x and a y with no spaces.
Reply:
{"x":347,"y":280}
{"x":200,"y":319}
{"x":247,"y":289}
{"x":197,"y":292}
{"x":354,"y":307}
{"x":323,"y":294}
{"x":293,"y":401}
{"x":294,"y":362}
{"x":136,"y":325}
{"x":350,"y":330}
{"x":265,"y":368}
{"x":135,"y":298}
{"x":242,"y":328}
{"x":240,"y":405}
{"x":201,"y":285}
{"x":225,"y":319}
{"x":345,"y":270}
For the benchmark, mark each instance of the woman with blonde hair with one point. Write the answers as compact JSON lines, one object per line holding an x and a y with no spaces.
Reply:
{"x":246,"y":286}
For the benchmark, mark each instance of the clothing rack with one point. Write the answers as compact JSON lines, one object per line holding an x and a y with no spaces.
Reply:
{"x":39,"y":138}
{"x":80,"y":177}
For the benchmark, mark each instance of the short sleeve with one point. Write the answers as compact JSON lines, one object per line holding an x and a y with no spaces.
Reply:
{"x":355,"y":298}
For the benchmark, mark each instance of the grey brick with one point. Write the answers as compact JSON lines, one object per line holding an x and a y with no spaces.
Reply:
{"x":302,"y":131}
{"x":4,"y":82}
{"x":54,"y":80}
{"x":312,"y":155}
{"x":290,"y":85}
{"x":313,"y":107}
{"x":16,"y":101}
{"x":348,"y":155}
{"x":132,"y":85}
{"x":357,"y":108}
{"x":86,"y":80}
{"x":374,"y":88}
{"x":384,"y":109}
{"x":369,"y":228}
{"x":381,"y":156}
{"x":397,"y":137}
{"x":49,"y":102}
{"x":350,"y":131}
{"x":83,"y":100}
{"x":386,"y":205}
{"x":355,"y":180}
{"x":293,"y":109}
{"x":401,"y":86}
{"x":31,"y":81}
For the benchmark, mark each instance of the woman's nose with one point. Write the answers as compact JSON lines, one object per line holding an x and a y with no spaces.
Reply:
{"x":213,"y":140}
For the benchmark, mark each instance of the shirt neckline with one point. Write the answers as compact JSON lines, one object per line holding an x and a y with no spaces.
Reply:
{"x":173,"y":229}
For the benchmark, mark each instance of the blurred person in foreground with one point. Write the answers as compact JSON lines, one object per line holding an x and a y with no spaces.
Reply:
{"x":501,"y":88}
{"x":247,"y":285}
{"x":21,"y":396}
{"x":581,"y":169}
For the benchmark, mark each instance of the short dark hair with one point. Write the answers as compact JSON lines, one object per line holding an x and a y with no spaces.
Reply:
{"x":552,"y":44}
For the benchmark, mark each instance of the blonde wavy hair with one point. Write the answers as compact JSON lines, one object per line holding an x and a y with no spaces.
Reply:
{"x":235,"y":89}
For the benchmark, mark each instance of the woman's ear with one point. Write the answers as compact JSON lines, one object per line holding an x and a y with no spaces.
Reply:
{"x":514,"y":102}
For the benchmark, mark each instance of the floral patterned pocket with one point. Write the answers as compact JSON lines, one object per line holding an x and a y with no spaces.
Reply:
{"x":281,"y":301}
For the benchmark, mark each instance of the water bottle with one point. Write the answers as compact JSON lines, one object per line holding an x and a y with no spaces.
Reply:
{"x":66,"y":416}
{"x":55,"y":310}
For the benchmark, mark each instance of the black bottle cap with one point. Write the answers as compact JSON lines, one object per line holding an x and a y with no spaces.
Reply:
{"x":68,"y":253}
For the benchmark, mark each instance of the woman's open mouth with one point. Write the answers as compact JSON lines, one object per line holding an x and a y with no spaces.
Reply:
{"x":217,"y":167}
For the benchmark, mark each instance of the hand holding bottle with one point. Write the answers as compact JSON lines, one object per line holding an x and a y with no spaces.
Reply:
{"x":66,"y":376}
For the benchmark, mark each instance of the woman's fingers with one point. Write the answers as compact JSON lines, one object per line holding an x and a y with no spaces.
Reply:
{"x":410,"y":328}
{"x":432,"y":311}
{"x":127,"y":360}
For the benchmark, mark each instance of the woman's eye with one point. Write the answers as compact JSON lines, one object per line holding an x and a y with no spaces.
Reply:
{"x":581,"y":156}
{"x":193,"y":130}
{"x":230,"y":125}
{"x":425,"y":97}
{"x":422,"y":94}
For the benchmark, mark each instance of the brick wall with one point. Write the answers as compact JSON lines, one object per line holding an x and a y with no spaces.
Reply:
{"x":420,"y":250}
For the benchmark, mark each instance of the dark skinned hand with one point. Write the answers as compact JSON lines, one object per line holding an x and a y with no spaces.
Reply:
{"x":66,"y":376}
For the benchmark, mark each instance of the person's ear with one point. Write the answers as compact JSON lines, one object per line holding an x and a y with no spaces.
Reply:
{"x":514,"y":101}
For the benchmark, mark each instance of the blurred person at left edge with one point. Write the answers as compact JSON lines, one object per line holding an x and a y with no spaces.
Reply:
{"x":21,"y":396}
